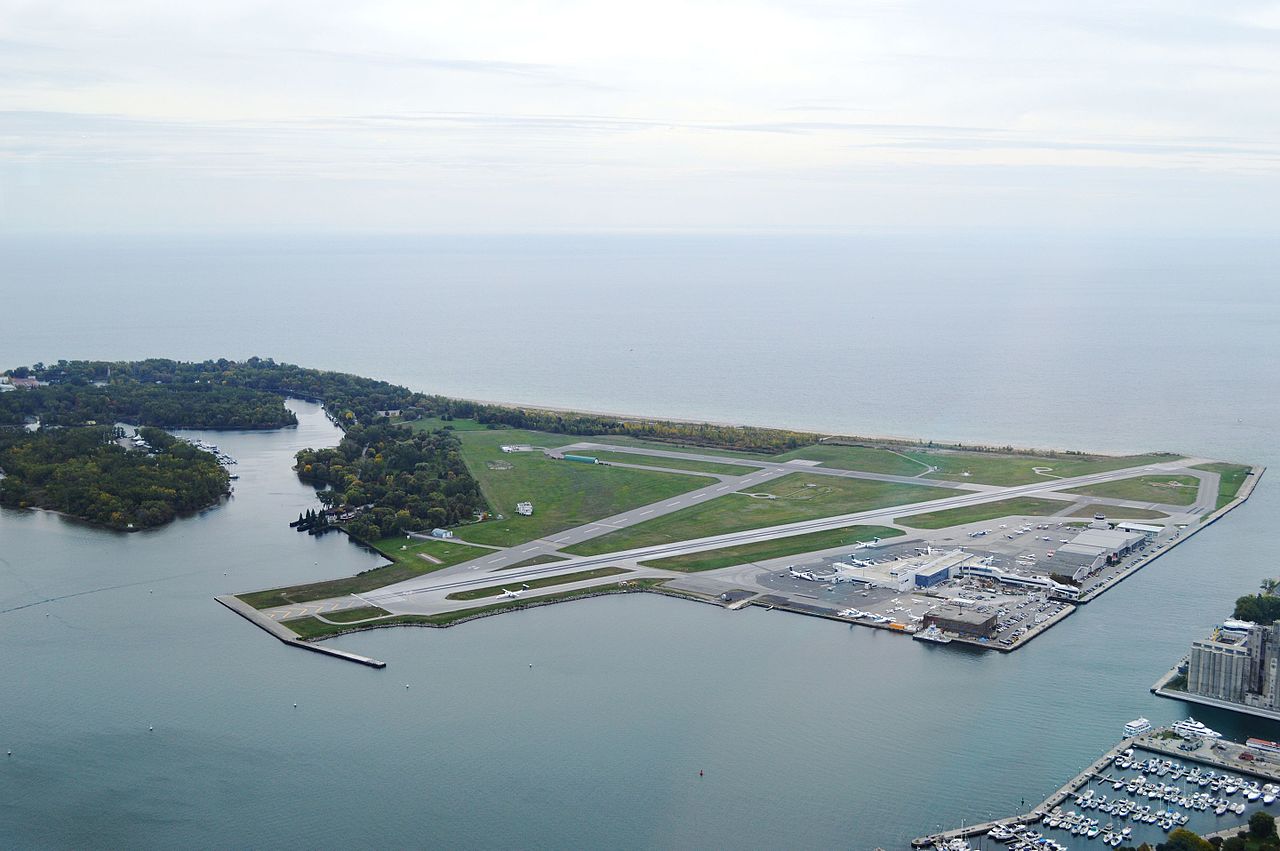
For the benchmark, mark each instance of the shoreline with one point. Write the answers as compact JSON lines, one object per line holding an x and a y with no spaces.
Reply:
{"x":823,"y":435}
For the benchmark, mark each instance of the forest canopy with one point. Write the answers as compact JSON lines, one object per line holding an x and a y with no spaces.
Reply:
{"x":86,"y":473}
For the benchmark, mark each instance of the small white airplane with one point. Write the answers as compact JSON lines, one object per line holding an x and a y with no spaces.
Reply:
{"x":507,"y":593}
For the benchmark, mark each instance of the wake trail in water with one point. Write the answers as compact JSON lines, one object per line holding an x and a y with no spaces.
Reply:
{"x":35,"y":603}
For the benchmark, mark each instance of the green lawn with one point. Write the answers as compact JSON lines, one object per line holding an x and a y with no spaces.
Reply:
{"x":985,"y":511}
{"x":544,"y":582}
{"x":433,"y":423}
{"x":564,"y":494}
{"x":1231,"y":477}
{"x":690,"y":464}
{"x":763,"y":550}
{"x":624,"y":440}
{"x":994,"y":469}
{"x":862,"y":458}
{"x":308,"y":628}
{"x":1169,"y":490}
{"x":801,"y":496}
{"x":1119,"y":513}
{"x":353,"y":615}
{"x":405,"y":564}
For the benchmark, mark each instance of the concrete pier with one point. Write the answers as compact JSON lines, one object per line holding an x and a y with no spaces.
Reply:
{"x":287,"y":636}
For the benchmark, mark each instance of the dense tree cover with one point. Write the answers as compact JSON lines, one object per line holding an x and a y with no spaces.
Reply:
{"x":1259,"y":608}
{"x":352,"y":399}
{"x":85,"y":473}
{"x":168,"y":406}
{"x":1259,"y":836}
{"x":411,"y":480}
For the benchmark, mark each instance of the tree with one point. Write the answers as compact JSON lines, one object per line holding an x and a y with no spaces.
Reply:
{"x":1262,"y":826}
{"x":1184,"y":840}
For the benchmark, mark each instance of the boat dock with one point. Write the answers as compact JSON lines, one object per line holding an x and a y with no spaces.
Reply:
{"x":1036,"y":814}
{"x":1217,"y":754}
{"x":287,"y":636}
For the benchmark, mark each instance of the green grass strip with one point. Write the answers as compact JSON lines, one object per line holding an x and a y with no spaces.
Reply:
{"x":764,"y":550}
{"x":986,"y":511}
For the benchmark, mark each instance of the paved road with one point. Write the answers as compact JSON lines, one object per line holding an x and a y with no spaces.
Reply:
{"x":426,"y":593}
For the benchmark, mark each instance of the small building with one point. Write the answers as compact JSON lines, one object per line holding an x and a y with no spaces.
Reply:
{"x":581,"y":459}
{"x":971,"y":624}
{"x":1145,"y":529}
{"x":391,"y":412}
{"x":441,"y":533}
{"x":524,"y":509}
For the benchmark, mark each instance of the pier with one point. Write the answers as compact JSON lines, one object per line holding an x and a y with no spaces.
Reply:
{"x":1072,"y":786}
{"x":1216,"y":754}
{"x":287,"y":636}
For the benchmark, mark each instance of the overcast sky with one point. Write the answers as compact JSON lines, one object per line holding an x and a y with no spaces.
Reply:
{"x":654,"y":115}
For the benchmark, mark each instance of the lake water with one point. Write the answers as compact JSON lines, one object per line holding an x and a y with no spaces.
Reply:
{"x":809,"y":733}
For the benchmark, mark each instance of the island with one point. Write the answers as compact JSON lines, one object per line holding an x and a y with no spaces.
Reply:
{"x":481,"y":509}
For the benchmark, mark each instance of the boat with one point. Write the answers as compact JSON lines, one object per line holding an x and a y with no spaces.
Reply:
{"x":1137,"y":727}
{"x":933,"y":634}
{"x":1191,"y":728}
{"x":1000,"y":833}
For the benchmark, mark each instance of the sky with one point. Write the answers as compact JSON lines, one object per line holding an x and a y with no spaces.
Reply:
{"x":555,"y":116}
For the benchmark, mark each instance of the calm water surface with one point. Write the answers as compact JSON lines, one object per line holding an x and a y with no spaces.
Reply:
{"x":810,"y":734}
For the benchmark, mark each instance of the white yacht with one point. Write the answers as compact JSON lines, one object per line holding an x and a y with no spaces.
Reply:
{"x":1137,"y":727}
{"x":1191,"y":728}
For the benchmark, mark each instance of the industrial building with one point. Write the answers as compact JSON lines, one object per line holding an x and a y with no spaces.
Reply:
{"x":1239,"y":663}
{"x":1092,"y":549}
{"x":966,"y":622}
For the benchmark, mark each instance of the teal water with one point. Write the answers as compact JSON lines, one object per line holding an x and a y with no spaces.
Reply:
{"x":809,"y":733}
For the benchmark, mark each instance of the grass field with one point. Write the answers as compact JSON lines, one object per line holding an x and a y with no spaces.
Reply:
{"x":544,"y":582}
{"x":1119,"y":513}
{"x":623,"y":440}
{"x":564,"y":494}
{"x":801,"y":496}
{"x":763,"y":550}
{"x":433,"y":423}
{"x":406,"y":564}
{"x":860,"y":458}
{"x":353,"y":615}
{"x":993,"y":469}
{"x":986,"y":511}
{"x":1231,"y":477}
{"x":690,"y":464}
{"x":1169,"y":490}
{"x":308,"y":628}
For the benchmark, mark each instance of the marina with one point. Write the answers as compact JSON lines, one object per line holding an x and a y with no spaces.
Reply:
{"x":1143,"y":788}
